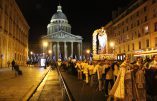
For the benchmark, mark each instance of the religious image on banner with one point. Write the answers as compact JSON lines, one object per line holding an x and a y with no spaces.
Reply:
{"x":102,"y":41}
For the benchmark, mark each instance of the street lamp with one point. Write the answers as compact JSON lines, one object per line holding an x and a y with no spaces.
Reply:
{"x":88,"y":53}
{"x":112,"y":44}
{"x":31,"y":53}
{"x":50,"y":51}
{"x":43,"y":60}
{"x":45,"y":44}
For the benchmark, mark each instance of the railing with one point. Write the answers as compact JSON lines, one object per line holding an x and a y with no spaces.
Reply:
{"x":67,"y":96}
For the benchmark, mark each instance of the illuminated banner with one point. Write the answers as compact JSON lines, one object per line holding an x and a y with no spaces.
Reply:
{"x":43,"y":62}
{"x":100,"y":42}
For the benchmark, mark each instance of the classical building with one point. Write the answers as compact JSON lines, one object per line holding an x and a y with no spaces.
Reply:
{"x":13,"y":34}
{"x":60,"y":40}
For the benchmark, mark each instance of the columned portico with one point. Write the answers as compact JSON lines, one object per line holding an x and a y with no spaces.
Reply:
{"x":56,"y":49}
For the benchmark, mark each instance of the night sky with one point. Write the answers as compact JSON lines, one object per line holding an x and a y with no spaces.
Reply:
{"x":84,"y":16}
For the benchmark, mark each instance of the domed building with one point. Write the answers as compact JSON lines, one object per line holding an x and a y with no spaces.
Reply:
{"x":61,"y":42}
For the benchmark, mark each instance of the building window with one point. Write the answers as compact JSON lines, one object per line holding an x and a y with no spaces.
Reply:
{"x":155,"y":41}
{"x":132,"y":36}
{"x":1,"y":3}
{"x":145,"y":18}
{"x":139,"y":35}
{"x":131,"y":25}
{"x":15,"y":56}
{"x":155,"y":25}
{"x":128,"y":48}
{"x":119,"y":50}
{"x":147,"y":43}
{"x":132,"y":46}
{"x":153,"y":1}
{"x":138,"y":22}
{"x":146,"y":29}
{"x":0,"y":19}
{"x":124,"y":49}
{"x":140,"y":45}
{"x":145,"y":9}
{"x":137,"y":13}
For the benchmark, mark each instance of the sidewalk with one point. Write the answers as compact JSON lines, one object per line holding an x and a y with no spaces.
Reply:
{"x":50,"y":88}
{"x":18,"y":88}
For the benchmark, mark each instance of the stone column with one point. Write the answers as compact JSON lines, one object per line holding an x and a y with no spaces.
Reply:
{"x":54,"y":50}
{"x":58,"y":50}
{"x":65,"y":50}
{"x":50,"y":48}
{"x":79,"y":50}
{"x":72,"y":49}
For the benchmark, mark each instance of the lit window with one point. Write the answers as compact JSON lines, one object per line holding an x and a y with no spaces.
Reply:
{"x":146,"y":29}
{"x":121,"y":58}
{"x":128,"y":48}
{"x":118,"y":58}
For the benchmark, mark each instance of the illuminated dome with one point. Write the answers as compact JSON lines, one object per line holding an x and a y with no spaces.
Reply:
{"x":59,"y":14}
{"x":59,"y":22}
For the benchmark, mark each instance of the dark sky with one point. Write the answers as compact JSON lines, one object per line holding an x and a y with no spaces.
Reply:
{"x":83,"y":15}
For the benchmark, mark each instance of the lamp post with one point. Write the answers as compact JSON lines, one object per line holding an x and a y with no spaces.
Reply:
{"x":43,"y":60}
{"x":31,"y":57}
{"x":45,"y":44}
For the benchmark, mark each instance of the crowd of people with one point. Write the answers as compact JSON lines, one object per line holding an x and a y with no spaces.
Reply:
{"x":124,"y":81}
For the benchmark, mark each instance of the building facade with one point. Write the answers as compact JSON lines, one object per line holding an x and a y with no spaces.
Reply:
{"x":13,"y":34}
{"x":61,"y":42}
{"x":134,"y":31}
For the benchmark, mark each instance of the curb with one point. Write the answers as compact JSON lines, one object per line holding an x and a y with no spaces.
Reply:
{"x":30,"y":92}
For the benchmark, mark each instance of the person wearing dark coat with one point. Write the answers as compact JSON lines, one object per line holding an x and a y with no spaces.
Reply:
{"x":13,"y":64}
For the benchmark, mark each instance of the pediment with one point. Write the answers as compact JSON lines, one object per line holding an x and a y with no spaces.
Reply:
{"x":63,"y":35}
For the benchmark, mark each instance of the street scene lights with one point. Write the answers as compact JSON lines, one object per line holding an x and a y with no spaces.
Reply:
{"x":43,"y":59}
{"x":112,"y":45}
{"x":45,"y":44}
{"x":88,"y":53}
{"x":50,"y":51}
{"x":31,"y":53}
